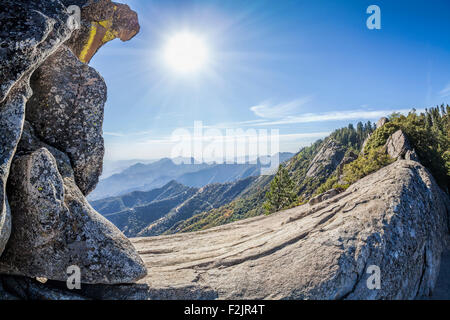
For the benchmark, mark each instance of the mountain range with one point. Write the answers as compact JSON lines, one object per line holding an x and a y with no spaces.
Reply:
{"x":184,"y":205}
{"x":149,"y":213}
{"x":148,"y":176}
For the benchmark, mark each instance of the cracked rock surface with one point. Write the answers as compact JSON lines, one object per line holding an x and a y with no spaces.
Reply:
{"x":395,"y":219}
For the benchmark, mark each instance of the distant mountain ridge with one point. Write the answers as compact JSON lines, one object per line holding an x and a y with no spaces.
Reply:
{"x":143,"y":177}
{"x":157,"y":211}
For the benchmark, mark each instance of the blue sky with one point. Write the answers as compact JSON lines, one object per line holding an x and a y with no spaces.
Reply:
{"x":302,"y":67}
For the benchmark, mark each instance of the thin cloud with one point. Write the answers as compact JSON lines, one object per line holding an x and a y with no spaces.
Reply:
{"x":130,"y":134}
{"x":332,"y":116}
{"x":356,"y":114}
{"x":265,"y":110}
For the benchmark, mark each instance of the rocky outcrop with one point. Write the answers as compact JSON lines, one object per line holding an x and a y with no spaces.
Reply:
{"x":398,"y":147}
{"x":11,"y":120}
{"x":327,"y":159}
{"x":66,"y":111}
{"x":349,"y":157}
{"x":54,"y":228}
{"x":381,"y":122}
{"x":51,"y":152}
{"x":31,"y":31}
{"x":101,"y":22}
{"x":394,"y":220}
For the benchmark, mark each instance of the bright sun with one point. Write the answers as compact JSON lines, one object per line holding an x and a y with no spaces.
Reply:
{"x":185,"y":53}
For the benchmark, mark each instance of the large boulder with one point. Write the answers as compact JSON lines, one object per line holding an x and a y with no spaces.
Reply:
{"x":46,"y":224}
{"x":54,"y":227}
{"x":398,"y":147}
{"x":31,"y":31}
{"x":12,"y":112}
{"x":394,"y":219}
{"x":66,"y":110}
{"x":381,"y":122}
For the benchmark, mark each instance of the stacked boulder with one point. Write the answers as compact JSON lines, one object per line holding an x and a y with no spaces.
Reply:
{"x":51,"y":152}
{"x":398,"y":147}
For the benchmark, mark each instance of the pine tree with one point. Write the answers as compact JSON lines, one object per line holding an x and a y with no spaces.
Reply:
{"x":281,"y":194}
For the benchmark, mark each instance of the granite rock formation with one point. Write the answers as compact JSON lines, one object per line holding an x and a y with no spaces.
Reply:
{"x":52,"y":150}
{"x":394,"y":219}
{"x":54,"y":228}
{"x":66,"y":111}
{"x":31,"y":31}
{"x":398,"y":147}
{"x":327,"y":159}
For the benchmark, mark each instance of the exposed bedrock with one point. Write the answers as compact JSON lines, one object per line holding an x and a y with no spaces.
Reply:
{"x":12,"y":112}
{"x":394,"y":219}
{"x":327,"y":159}
{"x":66,"y":110}
{"x":31,"y":31}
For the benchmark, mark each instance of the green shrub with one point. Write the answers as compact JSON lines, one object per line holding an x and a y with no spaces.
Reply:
{"x":429,"y":135}
{"x":366,"y":163}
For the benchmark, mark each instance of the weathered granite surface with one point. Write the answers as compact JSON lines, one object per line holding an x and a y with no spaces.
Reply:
{"x":395,"y":219}
{"x":31,"y":31}
{"x":54,"y":227}
{"x":66,"y":111}
{"x":46,"y":224}
{"x":327,"y":159}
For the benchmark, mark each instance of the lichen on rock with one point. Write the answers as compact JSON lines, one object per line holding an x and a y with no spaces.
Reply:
{"x":54,"y":228}
{"x":66,"y":110}
{"x":31,"y":31}
{"x":52,"y":149}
